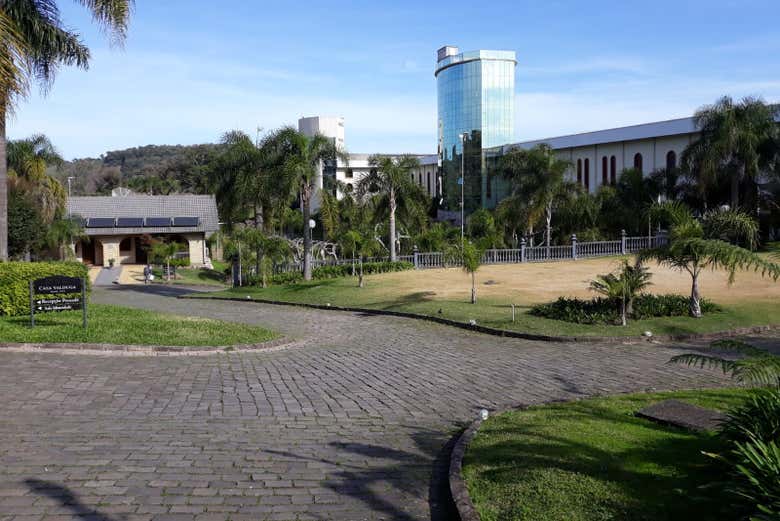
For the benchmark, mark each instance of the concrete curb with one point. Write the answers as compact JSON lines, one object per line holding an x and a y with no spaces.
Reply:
{"x":458,"y":488}
{"x":87,"y":348}
{"x":506,"y":333}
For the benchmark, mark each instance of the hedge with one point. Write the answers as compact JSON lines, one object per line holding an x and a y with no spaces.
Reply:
{"x":606,"y":311}
{"x":15,"y":280}
{"x":369,"y":268}
{"x":332,"y":272}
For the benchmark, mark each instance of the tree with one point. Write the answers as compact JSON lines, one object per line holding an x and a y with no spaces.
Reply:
{"x":164,"y":252}
{"x":296,"y":161}
{"x":538,"y":177}
{"x":28,"y":160}
{"x":732,"y":137}
{"x":696,"y":245}
{"x":25,"y":227}
{"x":34,"y":44}
{"x":469,"y":256}
{"x":391,"y":180}
{"x":482,"y":229}
{"x":623,"y":286}
{"x":64,"y":232}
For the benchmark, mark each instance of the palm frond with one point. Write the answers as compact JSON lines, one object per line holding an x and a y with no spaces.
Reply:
{"x":113,"y":16}
{"x":702,"y":361}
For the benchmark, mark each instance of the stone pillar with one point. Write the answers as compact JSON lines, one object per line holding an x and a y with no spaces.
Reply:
{"x":522,"y":249}
{"x":574,"y":246}
{"x":196,"y":243}
{"x":110,"y":250}
{"x":623,"y":242}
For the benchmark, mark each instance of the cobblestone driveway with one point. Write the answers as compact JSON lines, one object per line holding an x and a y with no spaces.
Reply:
{"x":349,"y":423}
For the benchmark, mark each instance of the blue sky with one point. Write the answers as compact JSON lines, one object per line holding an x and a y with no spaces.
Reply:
{"x":191,"y":69}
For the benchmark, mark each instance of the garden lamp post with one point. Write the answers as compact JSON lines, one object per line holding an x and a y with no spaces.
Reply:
{"x":462,"y":182}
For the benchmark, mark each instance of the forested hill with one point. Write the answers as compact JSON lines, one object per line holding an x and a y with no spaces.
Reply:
{"x":156,"y":169}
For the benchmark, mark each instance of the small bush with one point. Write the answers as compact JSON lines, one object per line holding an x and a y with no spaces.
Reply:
{"x":606,"y":311}
{"x":15,"y":280}
{"x":290,"y":277}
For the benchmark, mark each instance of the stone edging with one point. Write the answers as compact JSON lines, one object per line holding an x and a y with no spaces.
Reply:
{"x":87,"y":348}
{"x":507,"y":333}
{"x":458,"y":488}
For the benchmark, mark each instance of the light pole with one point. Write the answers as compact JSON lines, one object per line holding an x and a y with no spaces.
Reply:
{"x":463,"y":137}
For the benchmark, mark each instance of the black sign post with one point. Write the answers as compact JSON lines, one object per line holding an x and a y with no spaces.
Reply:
{"x":56,"y":288}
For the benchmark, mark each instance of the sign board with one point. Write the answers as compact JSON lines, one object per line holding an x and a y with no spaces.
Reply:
{"x":56,"y":288}
{"x":57,"y":304}
{"x":57,"y":285}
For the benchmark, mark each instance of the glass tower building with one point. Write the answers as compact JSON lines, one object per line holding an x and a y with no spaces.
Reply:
{"x":476,"y":92}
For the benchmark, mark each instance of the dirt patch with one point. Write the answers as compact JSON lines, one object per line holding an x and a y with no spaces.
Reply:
{"x":540,"y":282}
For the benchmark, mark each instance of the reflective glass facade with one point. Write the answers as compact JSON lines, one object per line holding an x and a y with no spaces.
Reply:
{"x":475,"y":96}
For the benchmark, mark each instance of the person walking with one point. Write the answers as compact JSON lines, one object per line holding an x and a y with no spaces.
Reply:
{"x":147,"y":274}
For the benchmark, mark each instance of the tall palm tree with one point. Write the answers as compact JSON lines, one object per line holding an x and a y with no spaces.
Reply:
{"x":296,"y":161}
{"x":33,"y":44}
{"x":391,"y":179}
{"x":695,"y":245}
{"x":538,"y":177}
{"x":732,"y":136}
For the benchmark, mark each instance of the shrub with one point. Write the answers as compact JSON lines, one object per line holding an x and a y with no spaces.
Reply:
{"x":757,"y":467}
{"x":758,"y":418}
{"x":15,"y":280}
{"x":605,"y":311}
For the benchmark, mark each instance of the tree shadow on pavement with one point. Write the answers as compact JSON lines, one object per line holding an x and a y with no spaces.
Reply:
{"x":387,"y":488}
{"x":67,"y":498}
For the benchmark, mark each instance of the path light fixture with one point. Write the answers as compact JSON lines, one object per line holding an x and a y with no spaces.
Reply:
{"x":462,"y":182}
{"x":483,"y":413}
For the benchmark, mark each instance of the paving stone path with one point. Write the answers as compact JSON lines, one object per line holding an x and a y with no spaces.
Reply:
{"x":350,"y":423}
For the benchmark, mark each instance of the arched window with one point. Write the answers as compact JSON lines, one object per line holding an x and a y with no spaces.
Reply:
{"x":587,"y":174}
{"x":579,"y":171}
{"x":613,"y":170}
{"x":638,"y":162}
{"x":671,"y":160}
{"x":603,"y":170}
{"x":126,"y":244}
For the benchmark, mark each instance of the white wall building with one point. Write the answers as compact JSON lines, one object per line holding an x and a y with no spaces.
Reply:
{"x":599,"y":157}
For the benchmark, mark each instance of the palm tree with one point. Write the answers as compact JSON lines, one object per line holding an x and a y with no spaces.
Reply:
{"x":468,"y":255}
{"x":391,"y":179}
{"x":296,"y":160}
{"x":33,"y":44}
{"x":731,"y":138}
{"x":695,"y":245}
{"x":28,"y":159}
{"x":623,"y":286}
{"x":64,"y":232}
{"x":538,"y":178}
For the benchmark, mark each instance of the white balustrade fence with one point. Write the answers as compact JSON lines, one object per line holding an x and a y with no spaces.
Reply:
{"x":575,"y":250}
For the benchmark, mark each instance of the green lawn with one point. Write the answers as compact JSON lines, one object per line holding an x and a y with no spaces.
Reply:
{"x":494,"y":311}
{"x":193,"y":276}
{"x":594,"y":460}
{"x":119,"y":325}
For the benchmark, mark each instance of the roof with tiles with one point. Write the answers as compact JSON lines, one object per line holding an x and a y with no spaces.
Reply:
{"x":204,"y":207}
